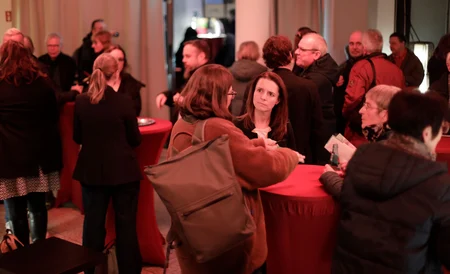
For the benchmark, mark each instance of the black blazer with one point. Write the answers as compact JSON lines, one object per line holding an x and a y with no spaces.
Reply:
{"x":107,"y":132}
{"x":287,"y":141}
{"x":29,"y":135}
{"x":132,"y":88}
{"x":305,"y":114}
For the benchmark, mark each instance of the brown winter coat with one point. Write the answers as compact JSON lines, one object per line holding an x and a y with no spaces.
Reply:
{"x":255,"y":167}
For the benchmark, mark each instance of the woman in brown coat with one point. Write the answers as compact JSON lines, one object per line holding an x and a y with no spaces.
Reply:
{"x":257,"y":164}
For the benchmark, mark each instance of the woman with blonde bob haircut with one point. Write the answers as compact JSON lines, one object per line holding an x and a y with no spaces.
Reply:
{"x":257,"y":164}
{"x":105,"y":125}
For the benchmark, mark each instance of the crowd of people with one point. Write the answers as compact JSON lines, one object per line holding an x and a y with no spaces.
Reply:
{"x":394,"y":198}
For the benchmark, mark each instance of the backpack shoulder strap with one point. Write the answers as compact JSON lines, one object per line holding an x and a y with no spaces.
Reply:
{"x":374,"y":81}
{"x":199,"y":132}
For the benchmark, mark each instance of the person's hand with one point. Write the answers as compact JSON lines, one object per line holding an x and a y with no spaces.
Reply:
{"x":301,"y":158}
{"x":270,"y":144}
{"x":77,"y":88}
{"x":177,"y":98}
{"x":328,"y":168}
{"x":343,"y":165}
{"x":160,"y":100}
{"x":340,"y":82}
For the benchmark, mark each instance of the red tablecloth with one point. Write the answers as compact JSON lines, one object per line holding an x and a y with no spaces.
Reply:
{"x":150,"y":239}
{"x":70,"y":189}
{"x":301,"y":221}
{"x":443,"y":150}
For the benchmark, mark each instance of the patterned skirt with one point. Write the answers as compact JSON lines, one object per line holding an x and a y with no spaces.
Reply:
{"x":21,"y":186}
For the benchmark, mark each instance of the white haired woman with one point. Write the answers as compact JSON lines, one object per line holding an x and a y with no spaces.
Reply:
{"x":374,"y":116}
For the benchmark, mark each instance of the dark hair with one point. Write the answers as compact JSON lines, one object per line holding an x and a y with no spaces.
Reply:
{"x":17,"y":65}
{"x":302,"y":31}
{"x":279,"y":114}
{"x":206,"y":93}
{"x":104,"y":37}
{"x":409,"y":113}
{"x":400,"y":37}
{"x":201,"y":45}
{"x":125,"y":60}
{"x":277,"y":51}
{"x":95,"y":22}
{"x":31,"y":45}
{"x":443,"y":47}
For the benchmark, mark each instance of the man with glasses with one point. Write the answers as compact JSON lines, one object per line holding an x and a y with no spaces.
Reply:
{"x":61,"y":69}
{"x":318,"y":66}
{"x":374,"y":69}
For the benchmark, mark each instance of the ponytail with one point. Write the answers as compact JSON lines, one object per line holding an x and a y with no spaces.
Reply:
{"x":97,"y":86}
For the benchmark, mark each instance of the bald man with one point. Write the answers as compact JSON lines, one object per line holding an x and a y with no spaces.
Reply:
{"x":318,"y":66}
{"x":355,"y":52}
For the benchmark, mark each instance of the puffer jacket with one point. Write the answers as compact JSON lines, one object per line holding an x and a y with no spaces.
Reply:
{"x":244,"y":71}
{"x":395,"y":215}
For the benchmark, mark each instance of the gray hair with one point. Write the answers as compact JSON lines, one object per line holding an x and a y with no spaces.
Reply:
{"x":372,"y":41}
{"x":9,"y":33}
{"x":319,"y":42}
{"x":55,"y":35}
{"x":382,"y":95}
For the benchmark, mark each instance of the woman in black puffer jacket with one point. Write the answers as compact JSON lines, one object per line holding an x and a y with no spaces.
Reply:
{"x":395,"y":200}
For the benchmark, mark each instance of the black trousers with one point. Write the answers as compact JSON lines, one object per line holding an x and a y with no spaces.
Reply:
{"x":16,"y":212}
{"x":125,"y":200}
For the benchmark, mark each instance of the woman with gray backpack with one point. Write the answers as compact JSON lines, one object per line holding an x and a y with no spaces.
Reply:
{"x":211,"y":178}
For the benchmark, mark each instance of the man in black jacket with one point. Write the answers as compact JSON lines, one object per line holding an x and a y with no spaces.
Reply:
{"x":406,"y":60}
{"x":85,"y":55}
{"x":320,"y":67}
{"x":196,"y":53}
{"x":355,"y":52}
{"x":304,"y":106}
{"x":61,"y":69}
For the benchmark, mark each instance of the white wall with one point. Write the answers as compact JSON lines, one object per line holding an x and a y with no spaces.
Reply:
{"x":5,"y":5}
{"x":183,"y":10}
{"x":385,"y":20}
{"x":253,"y":24}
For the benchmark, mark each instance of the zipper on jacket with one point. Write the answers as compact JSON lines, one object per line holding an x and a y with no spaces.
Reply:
{"x":186,"y":214}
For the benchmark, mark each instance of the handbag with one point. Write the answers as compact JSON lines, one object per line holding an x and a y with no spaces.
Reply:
{"x":200,"y":191}
{"x":9,"y":242}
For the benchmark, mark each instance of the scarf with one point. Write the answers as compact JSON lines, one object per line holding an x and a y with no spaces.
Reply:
{"x":410,"y":145}
{"x":376,"y":133}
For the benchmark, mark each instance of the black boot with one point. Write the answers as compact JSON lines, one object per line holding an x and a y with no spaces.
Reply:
{"x":20,"y":229}
{"x":38,"y":225}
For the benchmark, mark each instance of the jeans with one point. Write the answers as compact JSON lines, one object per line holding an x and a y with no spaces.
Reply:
{"x":125,"y":200}
{"x":16,"y":211}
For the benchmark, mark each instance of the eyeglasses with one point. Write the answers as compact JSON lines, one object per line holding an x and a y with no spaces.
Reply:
{"x":367,"y":106}
{"x":302,"y":49}
{"x":232,"y":94}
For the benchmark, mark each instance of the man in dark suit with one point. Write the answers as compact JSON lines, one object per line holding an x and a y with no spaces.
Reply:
{"x":61,"y":68}
{"x":305,"y":112}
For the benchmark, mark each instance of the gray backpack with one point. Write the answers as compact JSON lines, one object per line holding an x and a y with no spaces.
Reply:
{"x":199,"y":189}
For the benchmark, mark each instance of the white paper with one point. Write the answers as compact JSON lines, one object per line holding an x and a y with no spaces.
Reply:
{"x":345,"y":148}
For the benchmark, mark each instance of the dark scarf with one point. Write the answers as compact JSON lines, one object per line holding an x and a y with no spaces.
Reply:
{"x":377,"y":133}
{"x":410,"y":145}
